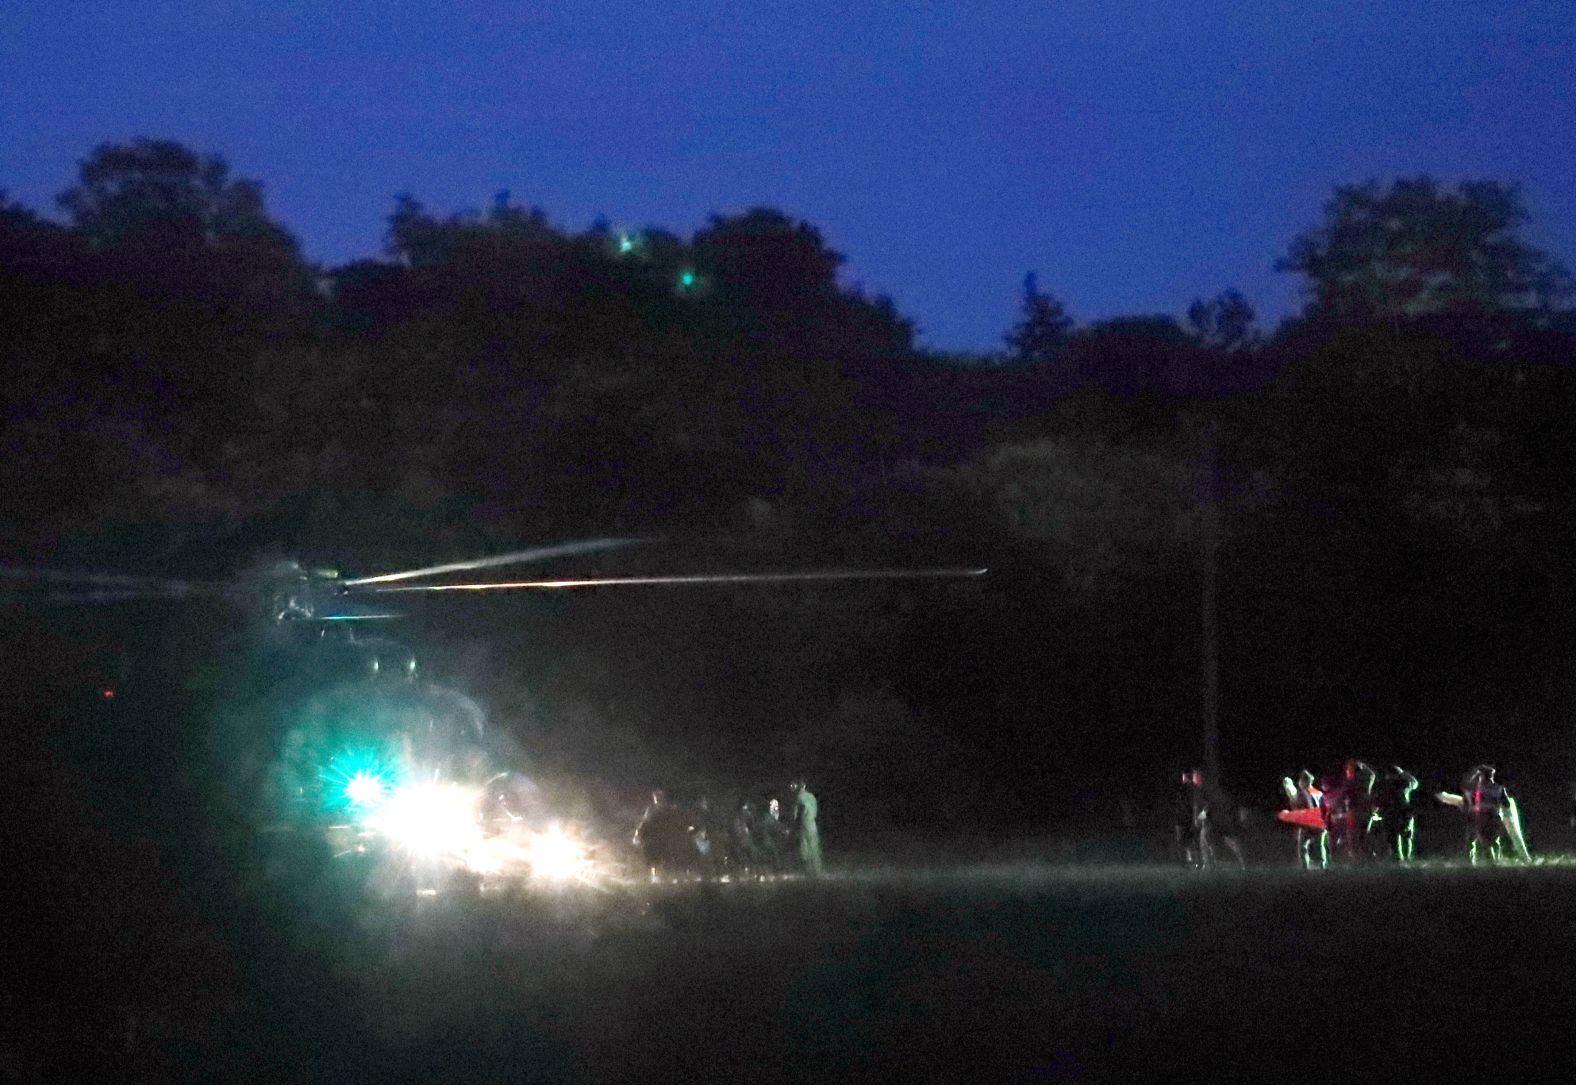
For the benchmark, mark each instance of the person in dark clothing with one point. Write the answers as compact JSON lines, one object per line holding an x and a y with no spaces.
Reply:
{"x":1205,"y":820}
{"x":1190,"y":814}
{"x":747,"y":853}
{"x":1395,"y":823}
{"x":663,"y":836}
{"x":1348,"y":806}
{"x":707,"y":838}
{"x":776,"y":837}
{"x":1493,"y":821}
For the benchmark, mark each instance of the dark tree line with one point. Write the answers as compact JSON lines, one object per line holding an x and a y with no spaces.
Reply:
{"x":1395,"y":463}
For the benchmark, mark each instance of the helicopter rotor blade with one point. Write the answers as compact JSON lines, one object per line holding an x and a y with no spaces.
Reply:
{"x":357,"y":617}
{"x":518,"y":557}
{"x":79,"y":598}
{"x":696,"y":578}
{"x":22,"y":579}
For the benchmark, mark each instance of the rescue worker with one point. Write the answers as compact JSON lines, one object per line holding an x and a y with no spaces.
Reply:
{"x":747,"y":852}
{"x":662,"y":835}
{"x":1313,"y":845}
{"x":1492,"y":817}
{"x":1395,"y":822}
{"x":774,"y":836}
{"x":707,"y":839}
{"x":806,"y":810}
{"x":1348,"y":805}
{"x":1191,"y":816}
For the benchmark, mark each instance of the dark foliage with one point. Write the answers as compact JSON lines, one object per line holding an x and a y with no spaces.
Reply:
{"x":185,"y":391}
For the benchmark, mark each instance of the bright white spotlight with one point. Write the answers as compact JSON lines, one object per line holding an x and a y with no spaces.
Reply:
{"x":430,"y":820}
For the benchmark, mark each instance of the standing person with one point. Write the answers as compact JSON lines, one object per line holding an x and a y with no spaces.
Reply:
{"x":747,"y":854}
{"x":661,"y":834}
{"x":1396,"y":821}
{"x":1483,"y":800}
{"x":1492,"y":817}
{"x":1313,"y":845}
{"x":806,"y":810}
{"x":707,"y":838}
{"x":1191,"y":815}
{"x":1348,"y":805}
{"x":774,"y":836}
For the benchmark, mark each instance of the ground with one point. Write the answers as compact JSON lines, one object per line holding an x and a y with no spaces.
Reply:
{"x":151,"y":936}
{"x":991,"y":973}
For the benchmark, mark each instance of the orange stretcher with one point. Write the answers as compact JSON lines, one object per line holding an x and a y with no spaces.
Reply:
{"x":1311,"y":818}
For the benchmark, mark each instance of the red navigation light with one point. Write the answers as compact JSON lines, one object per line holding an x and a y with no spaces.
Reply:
{"x":107,"y":693}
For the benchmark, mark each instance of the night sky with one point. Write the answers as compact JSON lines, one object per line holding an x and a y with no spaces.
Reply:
{"x":1136,"y":154}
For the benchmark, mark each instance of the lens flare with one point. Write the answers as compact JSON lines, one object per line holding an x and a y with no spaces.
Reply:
{"x":356,"y":782}
{"x":556,"y":856}
{"x":365,"y":790}
{"x":420,"y":826}
{"x":430,"y":821}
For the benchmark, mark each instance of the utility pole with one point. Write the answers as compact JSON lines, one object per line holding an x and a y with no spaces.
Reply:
{"x":1209,"y":600}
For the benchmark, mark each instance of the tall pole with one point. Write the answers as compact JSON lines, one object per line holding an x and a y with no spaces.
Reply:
{"x":1209,"y":639}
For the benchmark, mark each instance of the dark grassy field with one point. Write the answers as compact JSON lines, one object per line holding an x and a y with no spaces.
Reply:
{"x":991,"y":973}
{"x":148,"y":939}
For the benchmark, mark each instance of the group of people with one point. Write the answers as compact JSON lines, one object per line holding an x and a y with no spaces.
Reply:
{"x":1359,"y":813}
{"x":1354,"y":814}
{"x":763,"y":838}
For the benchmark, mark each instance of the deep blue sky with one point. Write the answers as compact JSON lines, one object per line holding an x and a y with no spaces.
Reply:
{"x":1136,"y":154}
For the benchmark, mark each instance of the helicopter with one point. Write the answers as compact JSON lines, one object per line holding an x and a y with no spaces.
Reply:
{"x":286,"y":596}
{"x":290,"y":603}
{"x":288,"y":591}
{"x":335,"y":743}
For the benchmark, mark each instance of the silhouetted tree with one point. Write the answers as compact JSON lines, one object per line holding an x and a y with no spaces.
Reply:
{"x":1395,"y":505}
{"x":173,"y":210}
{"x":775,"y":280}
{"x":1103,"y":510}
{"x":769,"y":261}
{"x":1041,"y":335}
{"x":184,"y":277}
{"x":419,"y":240}
{"x":1416,"y":249}
{"x":158,"y":190}
{"x":1134,"y":356}
{"x":1224,"y":323}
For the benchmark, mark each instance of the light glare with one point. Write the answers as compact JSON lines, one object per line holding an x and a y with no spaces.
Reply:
{"x":430,"y":820}
{"x":556,"y":856}
{"x":365,"y":790}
